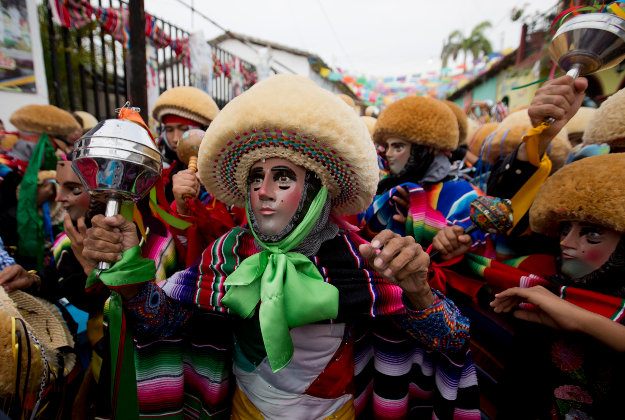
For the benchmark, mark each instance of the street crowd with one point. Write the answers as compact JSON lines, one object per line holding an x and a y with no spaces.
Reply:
{"x":316,"y":263}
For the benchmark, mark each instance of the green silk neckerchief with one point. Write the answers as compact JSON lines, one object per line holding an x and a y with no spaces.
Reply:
{"x":29,"y":222}
{"x":291,"y":290}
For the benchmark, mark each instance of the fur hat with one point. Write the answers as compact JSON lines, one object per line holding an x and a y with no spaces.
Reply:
{"x":461,"y":116}
{"x":588,"y":190}
{"x":472,"y":126}
{"x":372,"y":111}
{"x":88,"y":120}
{"x":477,"y":138}
{"x":47,"y":119}
{"x":370,"y":123}
{"x":350,"y":102}
{"x":45,"y":322}
{"x":607,"y":123}
{"x":347,"y":99}
{"x":291,"y":117}
{"x":510,"y":133}
{"x":419,"y":120}
{"x":187,"y":102}
{"x":580,"y":120}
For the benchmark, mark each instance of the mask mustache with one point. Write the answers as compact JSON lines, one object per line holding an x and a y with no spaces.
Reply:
{"x":269,"y":207}
{"x":570,"y":253}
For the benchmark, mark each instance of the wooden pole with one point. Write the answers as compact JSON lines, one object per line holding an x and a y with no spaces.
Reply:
{"x":137,"y":81}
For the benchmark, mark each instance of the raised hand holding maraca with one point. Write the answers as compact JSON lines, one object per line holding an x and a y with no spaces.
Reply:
{"x":488,"y":214}
{"x":189,"y":146}
{"x":186,"y":185}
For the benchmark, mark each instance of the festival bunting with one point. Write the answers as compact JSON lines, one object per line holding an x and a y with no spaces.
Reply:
{"x":380,"y":91}
{"x":114,"y":21}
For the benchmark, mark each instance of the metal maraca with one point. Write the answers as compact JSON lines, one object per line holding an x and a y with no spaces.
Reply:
{"x":588,"y":43}
{"x":116,"y":161}
{"x":488,"y":214}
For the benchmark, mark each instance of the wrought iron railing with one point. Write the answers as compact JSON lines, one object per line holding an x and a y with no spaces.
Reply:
{"x":86,"y":68}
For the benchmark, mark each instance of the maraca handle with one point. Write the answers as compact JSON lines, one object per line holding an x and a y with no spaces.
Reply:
{"x":193,"y":166}
{"x":112,"y":208}
{"x":193,"y":163}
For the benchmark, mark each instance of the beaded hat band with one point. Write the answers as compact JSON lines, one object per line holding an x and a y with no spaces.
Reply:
{"x":290,"y":117}
{"x":232,"y":164}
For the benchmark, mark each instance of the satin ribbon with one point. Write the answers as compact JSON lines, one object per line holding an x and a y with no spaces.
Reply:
{"x":131,"y":269}
{"x":524,"y":198}
{"x":157,"y":198}
{"x":291,"y":290}
{"x":29,"y":223}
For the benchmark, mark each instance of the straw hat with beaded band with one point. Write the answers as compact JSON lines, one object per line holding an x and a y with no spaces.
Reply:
{"x":419,"y":120}
{"x":370,"y":123}
{"x":45,"y":322}
{"x":463,"y":123}
{"x":47,"y":119}
{"x":187,"y":102}
{"x":607,"y":123}
{"x":588,"y":190}
{"x":290,"y":117}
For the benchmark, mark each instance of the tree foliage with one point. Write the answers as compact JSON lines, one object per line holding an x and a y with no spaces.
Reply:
{"x":475,"y":43}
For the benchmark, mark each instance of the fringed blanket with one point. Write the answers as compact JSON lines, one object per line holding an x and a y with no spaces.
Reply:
{"x":430,"y":209}
{"x":396,"y":374}
{"x":579,"y":376}
{"x":470,"y":273}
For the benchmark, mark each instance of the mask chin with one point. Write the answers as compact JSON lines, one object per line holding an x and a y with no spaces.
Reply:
{"x":608,"y":279}
{"x":312,"y":185}
{"x":575,"y":269}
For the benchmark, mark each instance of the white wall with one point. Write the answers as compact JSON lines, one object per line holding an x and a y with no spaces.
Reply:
{"x":9,"y":101}
{"x":280,"y":59}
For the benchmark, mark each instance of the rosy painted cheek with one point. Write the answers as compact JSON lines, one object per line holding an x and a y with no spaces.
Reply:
{"x":596,"y":255}
{"x":291,"y":200}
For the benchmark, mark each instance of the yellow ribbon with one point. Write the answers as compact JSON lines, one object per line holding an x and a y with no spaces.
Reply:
{"x":14,"y":346}
{"x":524,"y":198}
{"x":617,"y":10}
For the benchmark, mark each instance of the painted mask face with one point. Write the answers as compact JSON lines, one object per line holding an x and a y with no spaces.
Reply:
{"x":585,"y":247}
{"x":397,"y":154}
{"x":174,"y":132}
{"x":71,"y":192}
{"x":276,"y":187}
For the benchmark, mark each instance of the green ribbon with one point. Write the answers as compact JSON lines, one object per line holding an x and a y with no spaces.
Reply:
{"x":131,"y":269}
{"x":29,"y":222}
{"x":291,"y":290}
{"x":125,"y":402}
{"x":167,"y":218}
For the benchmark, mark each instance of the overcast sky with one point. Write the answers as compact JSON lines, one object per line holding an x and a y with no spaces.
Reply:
{"x":371,"y":37}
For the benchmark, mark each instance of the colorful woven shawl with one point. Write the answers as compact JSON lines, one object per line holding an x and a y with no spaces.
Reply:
{"x":473,"y":272}
{"x":394,"y":373}
{"x":431,"y":208}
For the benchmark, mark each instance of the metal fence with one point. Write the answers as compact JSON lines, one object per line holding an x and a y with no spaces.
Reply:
{"x":86,"y":68}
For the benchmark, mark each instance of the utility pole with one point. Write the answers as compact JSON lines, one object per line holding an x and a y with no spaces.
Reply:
{"x":137,"y":80}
